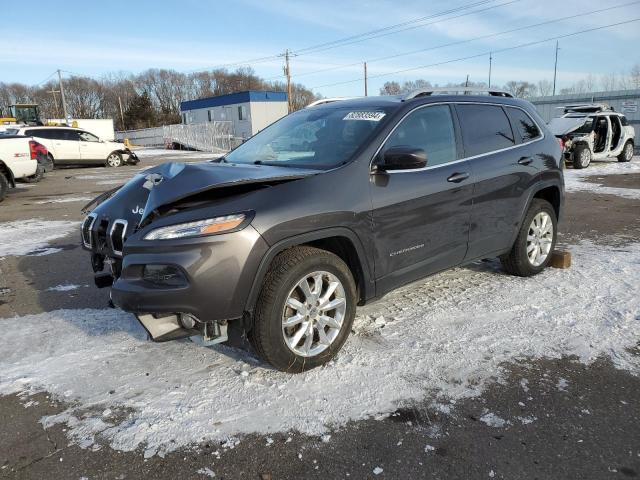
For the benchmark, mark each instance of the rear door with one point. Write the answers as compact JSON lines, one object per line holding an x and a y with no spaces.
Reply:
{"x":505,"y":163}
{"x":66,"y":144}
{"x":421,"y":217}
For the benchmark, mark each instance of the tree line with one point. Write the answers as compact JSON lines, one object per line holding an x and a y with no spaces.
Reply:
{"x":525,"y":89}
{"x":151,"y":98}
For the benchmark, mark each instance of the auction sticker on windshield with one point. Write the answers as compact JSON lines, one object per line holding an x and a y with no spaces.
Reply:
{"x":370,"y":116}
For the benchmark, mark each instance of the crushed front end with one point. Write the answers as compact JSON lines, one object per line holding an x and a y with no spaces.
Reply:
{"x":142,"y":246}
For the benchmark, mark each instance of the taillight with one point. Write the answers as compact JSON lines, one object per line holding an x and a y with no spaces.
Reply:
{"x":33,"y":149}
{"x":561,"y":142}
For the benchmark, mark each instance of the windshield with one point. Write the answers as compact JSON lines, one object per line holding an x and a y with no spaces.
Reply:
{"x":311,"y":138}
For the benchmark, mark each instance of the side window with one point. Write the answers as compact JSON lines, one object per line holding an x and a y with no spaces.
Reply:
{"x":72,"y":135}
{"x":88,"y":137}
{"x":624,"y":121}
{"x":55,"y":134}
{"x":523,"y":124}
{"x":485,"y":128}
{"x":429,"y":128}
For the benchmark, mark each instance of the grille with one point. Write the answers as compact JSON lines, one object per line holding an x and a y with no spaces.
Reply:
{"x":87,"y":225}
{"x":117,"y":236}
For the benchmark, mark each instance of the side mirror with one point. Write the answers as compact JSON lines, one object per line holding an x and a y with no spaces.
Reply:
{"x":402,"y":157}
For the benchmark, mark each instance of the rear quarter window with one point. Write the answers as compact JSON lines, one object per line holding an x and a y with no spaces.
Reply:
{"x":485,"y":128}
{"x":624,"y":121}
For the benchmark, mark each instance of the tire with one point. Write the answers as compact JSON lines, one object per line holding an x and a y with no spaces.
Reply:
{"x":627,"y":152}
{"x":4,"y":186}
{"x":517,"y":261}
{"x":113,"y":160}
{"x":50,"y":164}
{"x":281,"y":284}
{"x":39,"y":175}
{"x":581,"y":157}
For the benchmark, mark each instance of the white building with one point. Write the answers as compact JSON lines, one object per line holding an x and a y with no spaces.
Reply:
{"x":250,"y":111}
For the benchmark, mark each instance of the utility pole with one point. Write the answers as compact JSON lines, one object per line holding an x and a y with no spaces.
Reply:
{"x":53,"y":91}
{"x":555,"y":70}
{"x":121,"y":112}
{"x":365,"y":79}
{"x":287,"y":72}
{"x":64,"y":102}
{"x":490,"y":61}
{"x":466,"y":84}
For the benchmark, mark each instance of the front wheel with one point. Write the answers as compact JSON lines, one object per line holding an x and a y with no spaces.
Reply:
{"x":114,"y":160}
{"x":531,"y":252}
{"x":581,"y":157}
{"x":305,"y":309}
{"x":627,"y":152}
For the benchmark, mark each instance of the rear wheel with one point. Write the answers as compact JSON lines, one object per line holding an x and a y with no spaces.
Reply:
{"x":581,"y":157}
{"x":531,"y":252}
{"x":627,"y":152}
{"x":114,"y":160}
{"x":4,"y":186}
{"x":305,"y":309}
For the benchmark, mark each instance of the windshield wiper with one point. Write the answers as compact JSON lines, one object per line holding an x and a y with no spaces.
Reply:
{"x":221,"y":159}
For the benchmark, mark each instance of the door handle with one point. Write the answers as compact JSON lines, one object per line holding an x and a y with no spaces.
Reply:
{"x":525,"y":160}
{"x":458,"y":177}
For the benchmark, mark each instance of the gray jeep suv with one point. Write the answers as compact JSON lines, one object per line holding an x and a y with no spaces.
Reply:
{"x":329,"y":208}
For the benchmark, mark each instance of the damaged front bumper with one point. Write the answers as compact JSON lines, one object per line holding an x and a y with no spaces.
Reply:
{"x":176,"y":288}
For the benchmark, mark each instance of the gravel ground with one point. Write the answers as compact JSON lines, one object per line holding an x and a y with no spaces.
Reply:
{"x":545,"y":418}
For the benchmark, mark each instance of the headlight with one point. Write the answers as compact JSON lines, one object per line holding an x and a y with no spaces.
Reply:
{"x":209,"y":226}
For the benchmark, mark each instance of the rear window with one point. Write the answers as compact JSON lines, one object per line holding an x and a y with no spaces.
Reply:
{"x":485,"y":128}
{"x":523,"y":124}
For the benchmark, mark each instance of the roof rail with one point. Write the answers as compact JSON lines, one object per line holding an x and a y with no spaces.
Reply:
{"x":425,"y":92}
{"x":322,"y":101}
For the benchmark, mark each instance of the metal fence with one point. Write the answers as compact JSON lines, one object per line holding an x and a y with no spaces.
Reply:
{"x":206,"y":137}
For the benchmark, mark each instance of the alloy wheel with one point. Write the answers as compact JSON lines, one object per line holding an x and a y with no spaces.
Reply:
{"x":313,"y":313}
{"x":628,"y":152}
{"x":113,"y":160}
{"x":539,"y":239}
{"x":585,"y":157}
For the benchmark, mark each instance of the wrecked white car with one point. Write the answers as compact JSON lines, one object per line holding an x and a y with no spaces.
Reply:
{"x":593,"y":132}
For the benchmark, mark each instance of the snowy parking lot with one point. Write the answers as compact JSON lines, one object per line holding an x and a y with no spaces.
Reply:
{"x":428,"y":347}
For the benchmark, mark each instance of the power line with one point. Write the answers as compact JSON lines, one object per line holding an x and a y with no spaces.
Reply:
{"x":50,"y":75}
{"x":334,"y":43}
{"x":483,"y":54}
{"x":460,"y":42}
{"x":379,"y":32}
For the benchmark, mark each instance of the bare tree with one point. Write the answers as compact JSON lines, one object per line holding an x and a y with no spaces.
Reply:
{"x":520,"y":89}
{"x":545,"y":88}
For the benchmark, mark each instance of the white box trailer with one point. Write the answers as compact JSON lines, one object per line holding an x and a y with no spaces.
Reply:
{"x":101,"y":127}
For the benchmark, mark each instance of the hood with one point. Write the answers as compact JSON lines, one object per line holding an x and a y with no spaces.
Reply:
{"x":563,"y":125}
{"x":171,"y":182}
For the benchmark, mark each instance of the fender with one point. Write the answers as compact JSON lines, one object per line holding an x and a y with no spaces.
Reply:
{"x":4,"y":168}
{"x":541,"y":184}
{"x":367,"y":284}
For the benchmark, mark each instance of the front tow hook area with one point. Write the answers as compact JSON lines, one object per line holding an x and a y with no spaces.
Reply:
{"x":163,"y":328}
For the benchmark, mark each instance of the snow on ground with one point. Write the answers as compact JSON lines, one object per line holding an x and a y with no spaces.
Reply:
{"x":63,"y":288}
{"x":442,"y":338}
{"x":63,"y":200}
{"x":575,"y":179}
{"x":23,"y":237}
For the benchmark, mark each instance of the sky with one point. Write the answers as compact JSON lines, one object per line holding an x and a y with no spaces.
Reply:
{"x":98,"y":38}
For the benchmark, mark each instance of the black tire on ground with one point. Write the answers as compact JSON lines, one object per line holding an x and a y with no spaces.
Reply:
{"x":4,"y":186}
{"x":286,"y":270}
{"x":53,"y":162}
{"x":581,"y":157}
{"x":39,"y":175}
{"x":113,"y":160}
{"x":517,"y":262}
{"x":627,"y":152}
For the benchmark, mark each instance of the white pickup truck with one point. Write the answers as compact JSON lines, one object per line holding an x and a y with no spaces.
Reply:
{"x":18,"y":160}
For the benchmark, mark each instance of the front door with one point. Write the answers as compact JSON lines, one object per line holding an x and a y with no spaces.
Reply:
{"x":91,"y":148}
{"x":420,"y":218}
